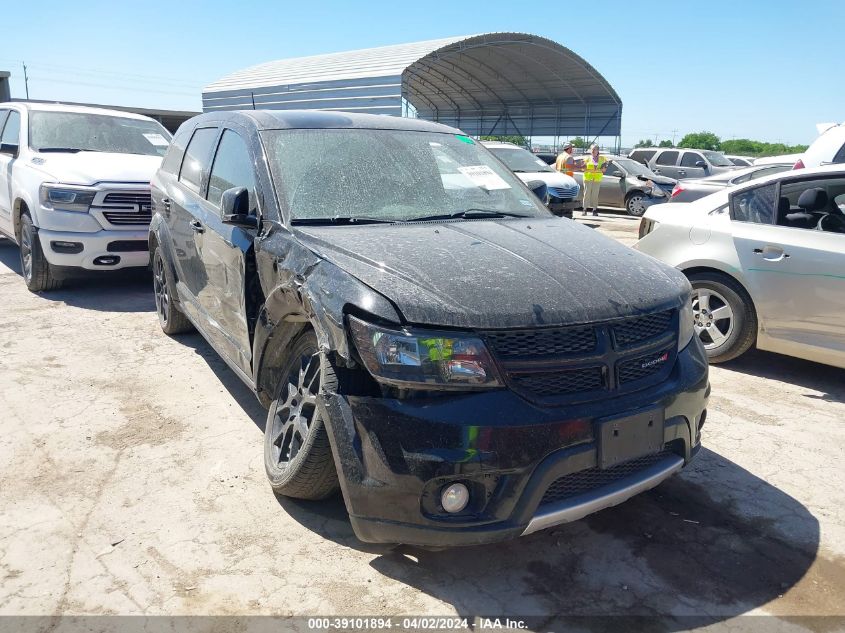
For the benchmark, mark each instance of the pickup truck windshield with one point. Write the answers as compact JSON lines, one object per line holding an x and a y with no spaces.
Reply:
{"x":83,"y":132}
{"x":391,"y":175}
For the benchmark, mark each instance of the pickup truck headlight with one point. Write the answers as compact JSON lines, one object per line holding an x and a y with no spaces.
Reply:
{"x":686,"y":325}
{"x":421,"y":358}
{"x":66,"y":197}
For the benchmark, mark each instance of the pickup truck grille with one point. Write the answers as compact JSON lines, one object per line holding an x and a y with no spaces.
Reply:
{"x":564,"y":193}
{"x":587,"y":362}
{"x":126,"y":208}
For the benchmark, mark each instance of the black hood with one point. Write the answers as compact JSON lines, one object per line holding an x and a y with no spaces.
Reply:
{"x":499,"y":273}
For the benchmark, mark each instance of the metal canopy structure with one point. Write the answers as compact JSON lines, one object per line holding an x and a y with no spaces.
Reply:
{"x":489,"y":84}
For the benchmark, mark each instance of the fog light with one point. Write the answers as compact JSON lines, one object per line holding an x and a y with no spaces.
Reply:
{"x":454,"y":498}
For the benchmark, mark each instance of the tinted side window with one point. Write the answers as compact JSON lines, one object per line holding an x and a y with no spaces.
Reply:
{"x":840,"y":155}
{"x":755,"y":205}
{"x":690,"y":159}
{"x":829,"y":203}
{"x":197,"y":158}
{"x":642,"y":155}
{"x":173,"y":158}
{"x":12,"y":129}
{"x":612,"y":170}
{"x":667,"y":158}
{"x":232,"y":168}
{"x":3,"y":115}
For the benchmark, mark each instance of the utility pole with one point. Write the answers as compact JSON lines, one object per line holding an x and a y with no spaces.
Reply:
{"x":25,"y":79}
{"x":674,"y":134}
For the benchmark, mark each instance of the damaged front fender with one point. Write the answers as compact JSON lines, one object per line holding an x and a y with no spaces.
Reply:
{"x":302,"y":289}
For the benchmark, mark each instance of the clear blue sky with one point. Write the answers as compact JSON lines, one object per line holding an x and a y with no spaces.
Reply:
{"x":768,"y":70}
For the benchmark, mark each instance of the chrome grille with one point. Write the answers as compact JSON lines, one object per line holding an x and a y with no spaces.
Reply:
{"x":594,"y":478}
{"x":563,"y":192}
{"x":543,"y":342}
{"x":127,"y":208}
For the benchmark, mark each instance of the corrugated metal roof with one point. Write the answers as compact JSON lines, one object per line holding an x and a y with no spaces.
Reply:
{"x":493,"y":83}
{"x":383,"y":61}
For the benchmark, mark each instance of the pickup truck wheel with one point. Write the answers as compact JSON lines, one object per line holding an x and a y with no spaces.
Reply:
{"x":635,"y":204}
{"x":37,"y":272}
{"x":297,"y":454}
{"x":170,"y":317}
{"x":724,"y":316}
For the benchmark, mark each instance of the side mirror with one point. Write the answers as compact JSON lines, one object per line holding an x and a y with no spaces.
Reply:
{"x":9,"y":148}
{"x":701,"y":163}
{"x":540,"y":189}
{"x":235,"y":208}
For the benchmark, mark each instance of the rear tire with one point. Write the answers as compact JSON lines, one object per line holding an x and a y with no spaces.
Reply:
{"x":725,"y":319}
{"x":37,"y":271}
{"x":297,"y":455}
{"x":170,"y":317}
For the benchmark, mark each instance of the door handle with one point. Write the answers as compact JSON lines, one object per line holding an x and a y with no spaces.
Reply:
{"x":197,"y":227}
{"x":681,"y":172}
{"x":771,"y":253}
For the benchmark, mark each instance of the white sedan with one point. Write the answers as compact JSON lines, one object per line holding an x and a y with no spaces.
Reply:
{"x":766,"y":260}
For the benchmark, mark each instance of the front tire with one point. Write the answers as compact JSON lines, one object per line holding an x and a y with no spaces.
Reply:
{"x":37,"y":271}
{"x":170,"y":317}
{"x":297,"y":454}
{"x":724,"y":315}
{"x":635,"y":204}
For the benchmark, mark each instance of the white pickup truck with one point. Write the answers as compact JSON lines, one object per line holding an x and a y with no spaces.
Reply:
{"x":75,"y":188}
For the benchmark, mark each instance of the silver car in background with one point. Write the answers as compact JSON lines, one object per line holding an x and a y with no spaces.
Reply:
{"x":695,"y":188}
{"x":766,"y":260}
{"x":631,"y":185}
{"x":683,"y":163}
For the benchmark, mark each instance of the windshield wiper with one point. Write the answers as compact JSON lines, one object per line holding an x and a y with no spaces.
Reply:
{"x":69,"y":150}
{"x":341,"y":221}
{"x":470,"y":214}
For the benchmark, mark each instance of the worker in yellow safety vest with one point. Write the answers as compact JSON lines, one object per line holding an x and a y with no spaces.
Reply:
{"x":593,"y":167}
{"x":565,"y":161}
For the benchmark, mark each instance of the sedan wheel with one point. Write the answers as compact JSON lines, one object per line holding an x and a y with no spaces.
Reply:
{"x":635,"y":204}
{"x":713,"y":317}
{"x":723,"y":315}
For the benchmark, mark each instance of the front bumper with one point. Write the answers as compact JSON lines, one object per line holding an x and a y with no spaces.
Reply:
{"x":394,"y":456}
{"x":562,"y":206}
{"x":102,"y":250}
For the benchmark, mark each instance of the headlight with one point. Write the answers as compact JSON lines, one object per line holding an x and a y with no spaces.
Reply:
{"x":686,"y":325}
{"x":67,"y":198}
{"x":658,"y":192}
{"x":421,"y":358}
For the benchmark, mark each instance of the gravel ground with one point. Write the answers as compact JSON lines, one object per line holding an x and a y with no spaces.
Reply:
{"x":131,"y":482}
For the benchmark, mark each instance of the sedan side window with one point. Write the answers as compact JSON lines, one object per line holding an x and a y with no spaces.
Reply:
{"x":232,"y":168}
{"x":612,"y":170}
{"x":667,"y":158}
{"x":755,"y":205}
{"x":197,"y":158}
{"x":690,"y":159}
{"x":813,"y":204}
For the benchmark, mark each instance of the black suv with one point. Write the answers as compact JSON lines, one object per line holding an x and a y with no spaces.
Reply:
{"x":463,"y":365}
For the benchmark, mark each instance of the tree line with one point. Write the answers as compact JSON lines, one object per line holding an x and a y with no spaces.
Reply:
{"x":741,"y":146}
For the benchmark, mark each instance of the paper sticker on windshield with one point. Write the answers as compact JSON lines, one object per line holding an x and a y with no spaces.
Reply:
{"x":483,"y":176}
{"x":157,"y":139}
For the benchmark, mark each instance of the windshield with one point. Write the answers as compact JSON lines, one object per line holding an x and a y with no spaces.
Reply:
{"x":520,"y":160}
{"x":718,"y":159}
{"x":634,"y":168}
{"x":81,"y":131}
{"x":390,"y":175}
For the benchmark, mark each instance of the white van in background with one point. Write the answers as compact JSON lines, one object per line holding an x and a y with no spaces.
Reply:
{"x":75,"y":188}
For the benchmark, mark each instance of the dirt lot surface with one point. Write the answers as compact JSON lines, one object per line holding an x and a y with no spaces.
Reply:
{"x":131,"y":482}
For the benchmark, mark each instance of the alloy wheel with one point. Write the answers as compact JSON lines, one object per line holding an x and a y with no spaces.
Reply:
{"x":160,"y":289}
{"x":293,"y":417}
{"x":713,"y":317}
{"x":26,"y":252}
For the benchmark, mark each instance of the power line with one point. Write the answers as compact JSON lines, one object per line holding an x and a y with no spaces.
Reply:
{"x":115,"y":87}
{"x":111,"y":73}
